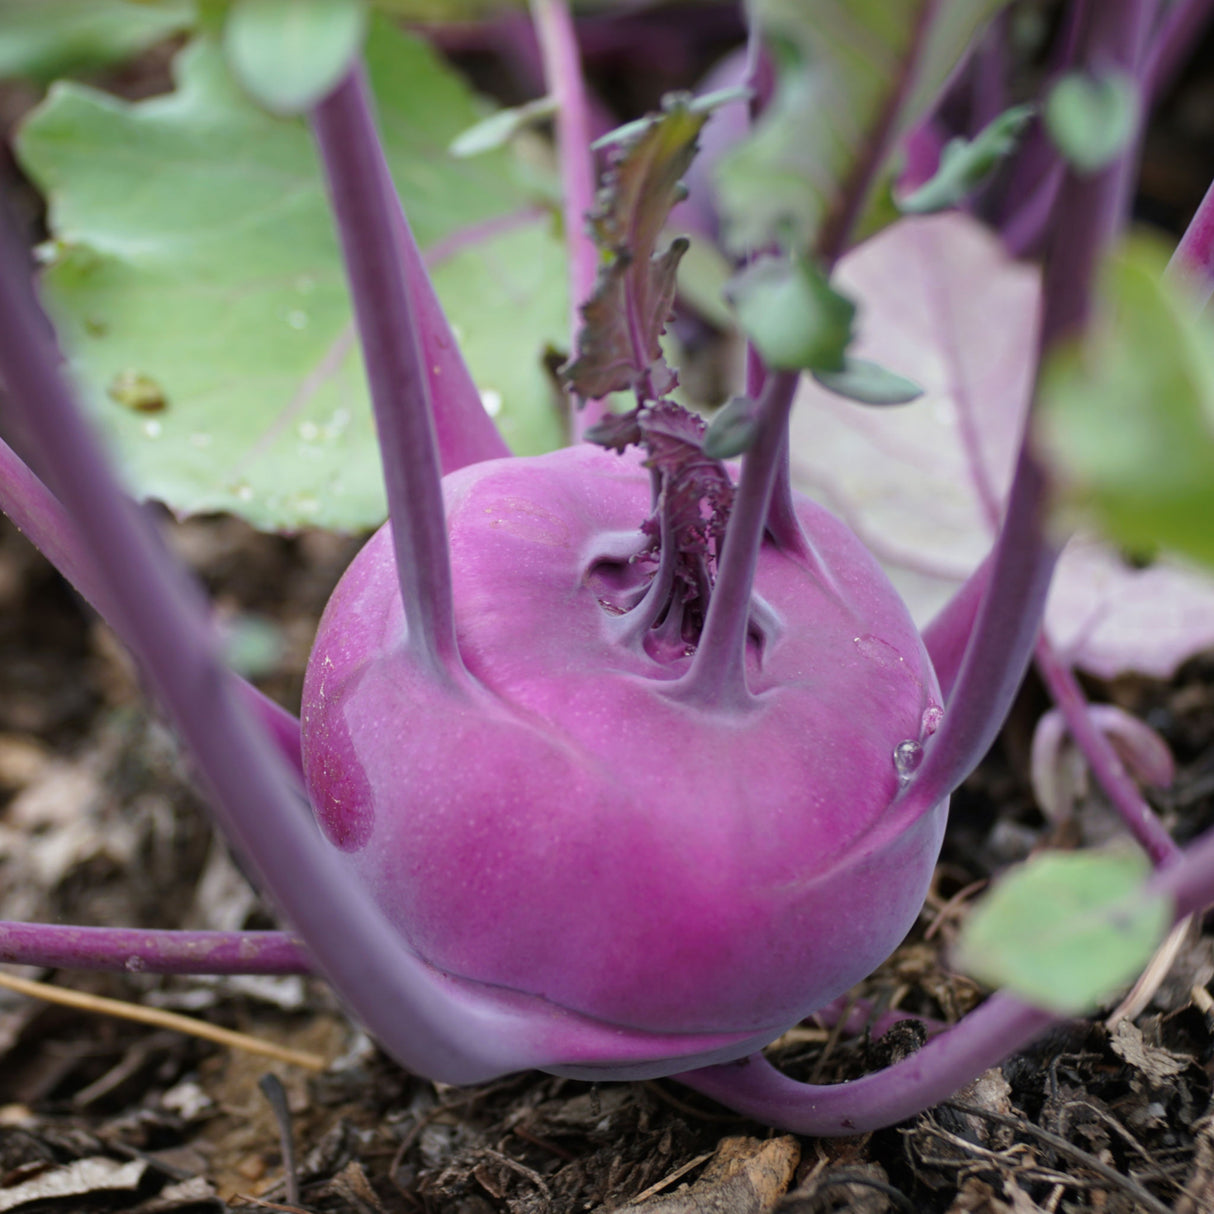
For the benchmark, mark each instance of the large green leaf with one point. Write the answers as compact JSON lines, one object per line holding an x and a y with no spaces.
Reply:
{"x":851,"y":73}
{"x":194,"y":253}
{"x":1128,"y":417}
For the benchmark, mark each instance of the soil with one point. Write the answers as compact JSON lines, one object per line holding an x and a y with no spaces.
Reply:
{"x":101,"y":822}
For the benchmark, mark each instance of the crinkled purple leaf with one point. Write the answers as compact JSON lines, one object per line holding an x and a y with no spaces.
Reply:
{"x":923,"y":484}
{"x":618,"y":346}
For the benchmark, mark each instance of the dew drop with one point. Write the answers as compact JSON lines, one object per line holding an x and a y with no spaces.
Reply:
{"x":933,"y":714}
{"x":134,"y":965}
{"x":152,"y":429}
{"x":309,"y":431}
{"x":907,"y":757}
{"x":491,"y":398}
{"x":245,"y":493}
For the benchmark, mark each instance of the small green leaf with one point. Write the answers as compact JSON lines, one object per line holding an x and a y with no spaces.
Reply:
{"x":43,"y":39}
{"x":498,"y":129}
{"x":1067,"y":929}
{"x":869,"y":383}
{"x":733,"y":429}
{"x":796,"y":320}
{"x":966,"y":163}
{"x":1091,"y":119}
{"x":1127,"y":419}
{"x":288,"y":54}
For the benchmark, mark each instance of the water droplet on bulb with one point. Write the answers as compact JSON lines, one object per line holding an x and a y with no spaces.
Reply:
{"x":933,"y":714}
{"x":907,"y":757}
{"x":134,"y":965}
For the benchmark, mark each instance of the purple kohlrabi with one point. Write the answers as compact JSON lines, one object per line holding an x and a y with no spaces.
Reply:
{"x":567,"y":823}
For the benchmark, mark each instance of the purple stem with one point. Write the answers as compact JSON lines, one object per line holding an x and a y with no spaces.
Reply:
{"x":783,"y":526}
{"x":431,"y":1024}
{"x":947,"y":1062}
{"x":566,"y":85}
{"x":948,"y":633}
{"x":39,"y":514}
{"x":1194,"y":257}
{"x":1108,"y":769}
{"x":716,"y":677}
{"x":369,"y":223}
{"x":154,"y":951}
{"x":1180,"y":30}
{"x":1007,"y":623}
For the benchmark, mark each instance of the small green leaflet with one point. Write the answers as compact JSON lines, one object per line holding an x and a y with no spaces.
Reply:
{"x":289,"y":53}
{"x":1066,"y":929}
{"x":635,"y":288}
{"x":42,"y":39}
{"x":793,"y":316}
{"x":192,"y":248}
{"x":733,"y":429}
{"x":966,"y":163}
{"x":1127,"y":420}
{"x":498,"y":129}
{"x":869,"y":383}
{"x":1091,"y":119}
{"x":839,"y":65}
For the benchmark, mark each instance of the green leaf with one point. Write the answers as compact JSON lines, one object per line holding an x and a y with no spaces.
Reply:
{"x":733,"y":429}
{"x":966,"y":163}
{"x":498,"y":129}
{"x":841,"y":66}
{"x":869,"y":383}
{"x":42,"y":39}
{"x":618,"y":344}
{"x":1091,"y":119}
{"x":288,"y":54}
{"x":1067,"y":929}
{"x":1127,"y":419}
{"x":193,"y":246}
{"x":795,"y":319}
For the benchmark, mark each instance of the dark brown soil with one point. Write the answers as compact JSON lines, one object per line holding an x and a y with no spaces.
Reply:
{"x":100,"y":824}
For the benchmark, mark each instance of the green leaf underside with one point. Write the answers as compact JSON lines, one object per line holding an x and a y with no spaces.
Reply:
{"x":841,"y":64}
{"x":619,"y":346}
{"x":795,"y":319}
{"x":289,"y":53}
{"x":966,"y":163}
{"x":1091,"y":119}
{"x":42,"y":39}
{"x":869,"y":383}
{"x":1066,"y":930}
{"x":1128,"y":421}
{"x":194,"y":248}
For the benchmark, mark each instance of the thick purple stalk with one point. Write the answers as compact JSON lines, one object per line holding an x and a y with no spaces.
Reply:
{"x":1001,"y":643}
{"x":151,"y":951}
{"x":41,"y":517}
{"x":428,"y":1022}
{"x":1180,"y":30}
{"x":949,"y":631}
{"x":567,"y":87}
{"x":783,"y":526}
{"x":1108,"y":769}
{"x":1193,"y":260}
{"x":933,"y":1073}
{"x":717,"y":675}
{"x":368,"y":223}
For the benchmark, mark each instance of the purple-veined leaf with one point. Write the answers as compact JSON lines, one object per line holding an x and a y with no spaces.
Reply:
{"x":923,"y":484}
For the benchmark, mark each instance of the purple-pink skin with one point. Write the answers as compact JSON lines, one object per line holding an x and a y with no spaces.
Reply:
{"x":702,"y":829}
{"x":461,"y":1028}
